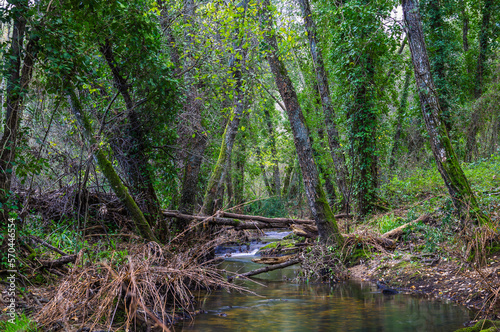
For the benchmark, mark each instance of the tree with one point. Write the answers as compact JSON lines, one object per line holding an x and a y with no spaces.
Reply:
{"x":326,"y":102}
{"x":19,"y":71}
{"x":318,"y":204}
{"x":444,"y":155}
{"x":109,"y":172}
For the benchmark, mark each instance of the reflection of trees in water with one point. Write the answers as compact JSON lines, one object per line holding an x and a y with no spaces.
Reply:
{"x":286,"y":306}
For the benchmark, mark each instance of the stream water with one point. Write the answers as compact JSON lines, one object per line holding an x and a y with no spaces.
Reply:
{"x":284,"y":305}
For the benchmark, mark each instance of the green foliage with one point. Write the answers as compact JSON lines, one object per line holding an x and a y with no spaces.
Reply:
{"x":389,"y":222}
{"x":21,"y":324}
{"x":271,"y":207}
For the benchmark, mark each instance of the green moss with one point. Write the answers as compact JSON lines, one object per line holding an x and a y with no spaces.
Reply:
{"x":484,"y":325}
{"x":288,"y":243}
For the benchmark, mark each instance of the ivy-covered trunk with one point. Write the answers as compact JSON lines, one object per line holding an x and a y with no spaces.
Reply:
{"x":109,"y":172}
{"x":326,"y":102}
{"x":363,"y":116}
{"x":475,"y":119}
{"x":131,"y":149}
{"x":318,"y":204}
{"x":440,"y":56}
{"x":446,"y":160}
{"x":17,"y":80}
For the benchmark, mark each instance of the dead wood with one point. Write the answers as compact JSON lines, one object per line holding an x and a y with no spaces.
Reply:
{"x":235,"y":219}
{"x":310,"y":231}
{"x":58,"y":262}
{"x":266,"y":269}
{"x":47,"y":245}
{"x":307,"y":231}
{"x":396,"y":232}
{"x":273,"y":260}
{"x":238,"y":224}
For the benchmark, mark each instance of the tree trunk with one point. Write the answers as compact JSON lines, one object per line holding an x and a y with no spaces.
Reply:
{"x":274,"y":152}
{"x":326,"y":102}
{"x":17,"y":81}
{"x":221,"y":167}
{"x":475,"y":120}
{"x":440,"y":57}
{"x":318,"y":204}
{"x":109,"y":172}
{"x":465,"y":26}
{"x":446,"y":160}
{"x":400,"y":115}
{"x":239,"y":175}
{"x":132,"y":157}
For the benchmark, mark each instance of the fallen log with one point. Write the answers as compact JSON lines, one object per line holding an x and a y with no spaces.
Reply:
{"x":266,"y":269}
{"x":238,"y":224}
{"x":396,"y":232}
{"x":58,"y":262}
{"x":234,"y":219}
{"x":47,"y":245}
{"x":309,"y":231}
{"x":273,"y":260}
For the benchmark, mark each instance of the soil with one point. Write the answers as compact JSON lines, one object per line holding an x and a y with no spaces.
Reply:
{"x":437,"y":277}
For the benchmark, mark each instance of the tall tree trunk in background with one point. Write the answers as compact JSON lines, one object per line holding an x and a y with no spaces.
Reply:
{"x":240,"y":159}
{"x":475,"y":120}
{"x":220,"y":170}
{"x":133,"y":159}
{"x":17,"y":80}
{"x":465,"y":26}
{"x":363,"y":137}
{"x":400,"y":115}
{"x":433,"y":10}
{"x":274,"y":152}
{"x":193,"y":111}
{"x":109,"y":172}
{"x":267,"y":182}
{"x":446,"y":160}
{"x":326,"y":102}
{"x":318,"y":204}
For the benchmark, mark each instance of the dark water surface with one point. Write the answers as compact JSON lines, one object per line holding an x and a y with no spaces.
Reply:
{"x":283,"y":305}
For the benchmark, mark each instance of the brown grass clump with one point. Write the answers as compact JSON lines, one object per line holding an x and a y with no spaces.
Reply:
{"x":149,"y":290}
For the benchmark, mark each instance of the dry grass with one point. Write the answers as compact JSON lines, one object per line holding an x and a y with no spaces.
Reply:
{"x":147,"y":291}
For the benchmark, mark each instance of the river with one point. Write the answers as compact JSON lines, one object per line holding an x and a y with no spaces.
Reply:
{"x":285,"y":305}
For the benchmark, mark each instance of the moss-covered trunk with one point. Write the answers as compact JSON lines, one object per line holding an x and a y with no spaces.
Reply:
{"x":109,"y":172}
{"x":131,"y":149}
{"x":326,"y":102}
{"x":446,"y":159}
{"x":318,"y":204}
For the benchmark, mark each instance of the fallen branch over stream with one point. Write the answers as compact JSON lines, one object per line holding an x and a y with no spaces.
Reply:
{"x":266,"y":269}
{"x":242,"y":221}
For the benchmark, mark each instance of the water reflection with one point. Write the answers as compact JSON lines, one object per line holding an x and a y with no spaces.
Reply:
{"x":286,"y":306}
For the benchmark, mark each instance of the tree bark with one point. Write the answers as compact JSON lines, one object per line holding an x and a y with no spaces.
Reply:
{"x":320,"y":209}
{"x":446,"y":160}
{"x":17,"y":81}
{"x":109,"y":172}
{"x":326,"y":102}
{"x":132,"y":157}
